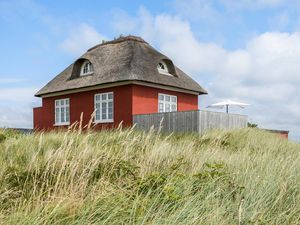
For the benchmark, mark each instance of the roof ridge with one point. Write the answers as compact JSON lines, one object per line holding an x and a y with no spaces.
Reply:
{"x":118,"y":40}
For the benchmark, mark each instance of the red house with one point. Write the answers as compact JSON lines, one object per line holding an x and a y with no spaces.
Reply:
{"x":116,"y":80}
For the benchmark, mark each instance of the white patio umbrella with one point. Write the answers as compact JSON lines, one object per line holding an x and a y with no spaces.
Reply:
{"x":227,"y":103}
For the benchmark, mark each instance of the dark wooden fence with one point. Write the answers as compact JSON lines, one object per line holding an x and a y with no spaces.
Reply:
{"x":21,"y":130}
{"x":190,"y":121}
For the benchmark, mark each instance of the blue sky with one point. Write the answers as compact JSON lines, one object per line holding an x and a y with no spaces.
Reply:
{"x":246,"y":50}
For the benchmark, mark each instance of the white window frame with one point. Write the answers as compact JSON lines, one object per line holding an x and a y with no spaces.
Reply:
{"x":163,"y":71}
{"x":99,"y":99}
{"x":62,"y":110}
{"x":90,"y":68}
{"x":167,"y":103}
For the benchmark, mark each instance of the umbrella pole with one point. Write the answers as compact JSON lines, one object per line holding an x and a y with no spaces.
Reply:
{"x":226,"y":108}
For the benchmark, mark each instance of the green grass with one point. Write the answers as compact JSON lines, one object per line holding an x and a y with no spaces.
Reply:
{"x":130,"y":177}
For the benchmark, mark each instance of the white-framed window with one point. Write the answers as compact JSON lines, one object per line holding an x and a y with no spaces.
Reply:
{"x":167,"y":103}
{"x":104,"y":107}
{"x":62,"y":112}
{"x":86,"y":68}
{"x":163,"y":68}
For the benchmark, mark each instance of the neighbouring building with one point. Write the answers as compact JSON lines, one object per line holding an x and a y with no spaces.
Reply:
{"x":281,"y":133}
{"x":115,"y":80}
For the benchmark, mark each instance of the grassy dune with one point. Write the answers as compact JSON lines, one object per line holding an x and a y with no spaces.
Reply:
{"x":129,"y":177}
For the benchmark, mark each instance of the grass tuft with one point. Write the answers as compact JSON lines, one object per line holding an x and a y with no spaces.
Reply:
{"x":125,"y":176}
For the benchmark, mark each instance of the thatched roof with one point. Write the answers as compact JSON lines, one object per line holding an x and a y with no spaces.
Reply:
{"x":124,"y":59}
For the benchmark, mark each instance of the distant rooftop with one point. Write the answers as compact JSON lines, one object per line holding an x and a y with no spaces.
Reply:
{"x":277,"y":131}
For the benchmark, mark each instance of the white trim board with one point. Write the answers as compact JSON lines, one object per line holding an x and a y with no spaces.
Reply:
{"x":121,"y":83}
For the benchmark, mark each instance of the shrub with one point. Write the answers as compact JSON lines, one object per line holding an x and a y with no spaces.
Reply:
{"x":2,"y":138}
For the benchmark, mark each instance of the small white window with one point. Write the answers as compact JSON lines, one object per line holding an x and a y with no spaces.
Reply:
{"x":163,"y":68}
{"x":167,"y":103}
{"x":86,"y":68}
{"x":104,"y":107}
{"x":62,"y":112}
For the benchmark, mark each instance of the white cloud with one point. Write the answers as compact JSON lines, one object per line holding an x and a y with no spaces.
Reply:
{"x":210,"y":9}
{"x":11,"y":80}
{"x":18,"y":11}
{"x":197,"y":10}
{"x":279,"y":21}
{"x":122,"y":22}
{"x":264,"y":73}
{"x":16,"y":116}
{"x":81,"y":38}
{"x":252,"y":4}
{"x":17,"y":94}
{"x":16,"y":107}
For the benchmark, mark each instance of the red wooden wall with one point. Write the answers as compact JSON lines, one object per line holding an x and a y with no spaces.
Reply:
{"x":128,"y":100}
{"x":145,"y":100}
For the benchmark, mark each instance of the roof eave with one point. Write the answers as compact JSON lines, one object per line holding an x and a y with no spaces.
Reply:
{"x":118,"y":83}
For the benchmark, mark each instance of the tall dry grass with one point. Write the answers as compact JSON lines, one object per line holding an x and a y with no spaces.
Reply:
{"x":130,"y":177}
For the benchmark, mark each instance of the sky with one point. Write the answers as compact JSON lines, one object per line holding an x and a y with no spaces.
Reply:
{"x":243,"y":50}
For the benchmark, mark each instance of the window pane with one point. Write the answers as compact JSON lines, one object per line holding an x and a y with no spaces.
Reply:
{"x":57,"y":103}
{"x":97,"y":108}
{"x":57,"y":115}
{"x":110,"y":96}
{"x":167,"y":107}
{"x":104,"y":96}
{"x":174,"y":108}
{"x":62,"y":115}
{"x":110,"y":116}
{"x":167,"y":98}
{"x":67,"y":114}
{"x":98,"y":114}
{"x":110,"y":104}
{"x":173,"y":99}
{"x":110,"y":110}
{"x":67,"y":101}
{"x":161,"y":107}
{"x":161,"y":97}
{"x":86,"y":68}
{"x":104,"y":115}
{"x":97,"y":98}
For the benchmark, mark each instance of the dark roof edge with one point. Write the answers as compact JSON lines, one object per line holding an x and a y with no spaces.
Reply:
{"x":204,"y":92}
{"x":276,"y":131}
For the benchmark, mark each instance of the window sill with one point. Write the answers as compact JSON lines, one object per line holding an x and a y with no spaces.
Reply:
{"x":61,"y":124}
{"x":168,"y":111}
{"x":103,"y":121}
{"x":165,"y":73}
{"x":86,"y":74}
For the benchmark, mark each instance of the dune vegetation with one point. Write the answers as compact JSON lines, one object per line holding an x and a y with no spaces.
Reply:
{"x":126,"y":176}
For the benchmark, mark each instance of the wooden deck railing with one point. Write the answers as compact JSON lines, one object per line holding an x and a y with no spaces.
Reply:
{"x":190,"y":121}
